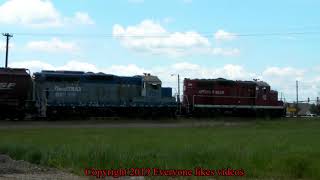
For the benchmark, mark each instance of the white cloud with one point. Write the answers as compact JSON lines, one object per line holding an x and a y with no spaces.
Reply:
{"x":29,"y":12}
{"x":36,"y":66}
{"x":54,"y":45}
{"x":224,"y":36}
{"x":225,"y":52}
{"x":126,"y":70}
{"x":37,"y":13}
{"x":75,"y":65}
{"x":145,"y":28}
{"x":151,"y":37}
{"x":283,"y":79}
{"x":80,"y":18}
{"x":229,"y":71}
{"x":233,"y":72}
{"x":33,"y":65}
{"x":286,"y":72}
{"x":78,"y":66}
{"x":185,"y":69}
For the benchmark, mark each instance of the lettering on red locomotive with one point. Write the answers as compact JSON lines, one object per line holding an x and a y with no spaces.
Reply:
{"x":211,"y":92}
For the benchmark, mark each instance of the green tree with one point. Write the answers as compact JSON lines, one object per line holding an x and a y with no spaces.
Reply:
{"x":315,"y":109}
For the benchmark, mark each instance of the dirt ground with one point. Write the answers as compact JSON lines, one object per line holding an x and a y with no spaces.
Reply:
{"x":15,"y":170}
{"x":12,"y":169}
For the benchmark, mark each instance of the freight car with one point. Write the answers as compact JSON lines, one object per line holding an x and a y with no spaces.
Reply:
{"x":15,"y":93}
{"x":73,"y":92}
{"x":222,"y":96}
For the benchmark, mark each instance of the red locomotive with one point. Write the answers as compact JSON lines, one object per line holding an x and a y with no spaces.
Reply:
{"x":210,"y":96}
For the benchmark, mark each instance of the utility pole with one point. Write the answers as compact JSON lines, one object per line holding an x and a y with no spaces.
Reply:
{"x":7,"y":47}
{"x":178,"y":95}
{"x":178,"y":89}
{"x":297,"y":93}
{"x":179,"y":103}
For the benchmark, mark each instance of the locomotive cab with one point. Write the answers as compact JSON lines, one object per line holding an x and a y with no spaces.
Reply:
{"x":151,"y":86}
{"x":262,"y":93}
{"x":153,"y":94}
{"x":266,"y":96}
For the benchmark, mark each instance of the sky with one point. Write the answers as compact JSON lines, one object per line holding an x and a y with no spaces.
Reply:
{"x":274,"y":41}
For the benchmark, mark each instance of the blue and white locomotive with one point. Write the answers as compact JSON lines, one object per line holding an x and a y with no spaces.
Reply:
{"x":76,"y":92}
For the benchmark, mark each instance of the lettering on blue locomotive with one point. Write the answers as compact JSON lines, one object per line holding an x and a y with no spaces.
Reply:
{"x":67,"y":91}
{"x":68,"y":88}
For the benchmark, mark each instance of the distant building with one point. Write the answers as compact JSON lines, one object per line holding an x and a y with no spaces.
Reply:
{"x":303,"y":109}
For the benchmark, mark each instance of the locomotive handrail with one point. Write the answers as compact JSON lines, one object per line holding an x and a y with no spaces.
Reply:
{"x":188,"y":104}
{"x":193,"y":102}
{"x":187,"y":99}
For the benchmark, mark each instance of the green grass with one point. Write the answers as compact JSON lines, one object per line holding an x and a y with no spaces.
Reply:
{"x":271,"y":149}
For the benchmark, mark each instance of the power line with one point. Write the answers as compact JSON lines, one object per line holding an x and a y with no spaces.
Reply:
{"x":278,"y":33}
{"x":204,"y":34}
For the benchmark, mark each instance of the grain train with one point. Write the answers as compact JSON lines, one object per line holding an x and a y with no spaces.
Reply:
{"x":71,"y":93}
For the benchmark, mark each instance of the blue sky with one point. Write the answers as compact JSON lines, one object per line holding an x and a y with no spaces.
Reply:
{"x":195,"y":38}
